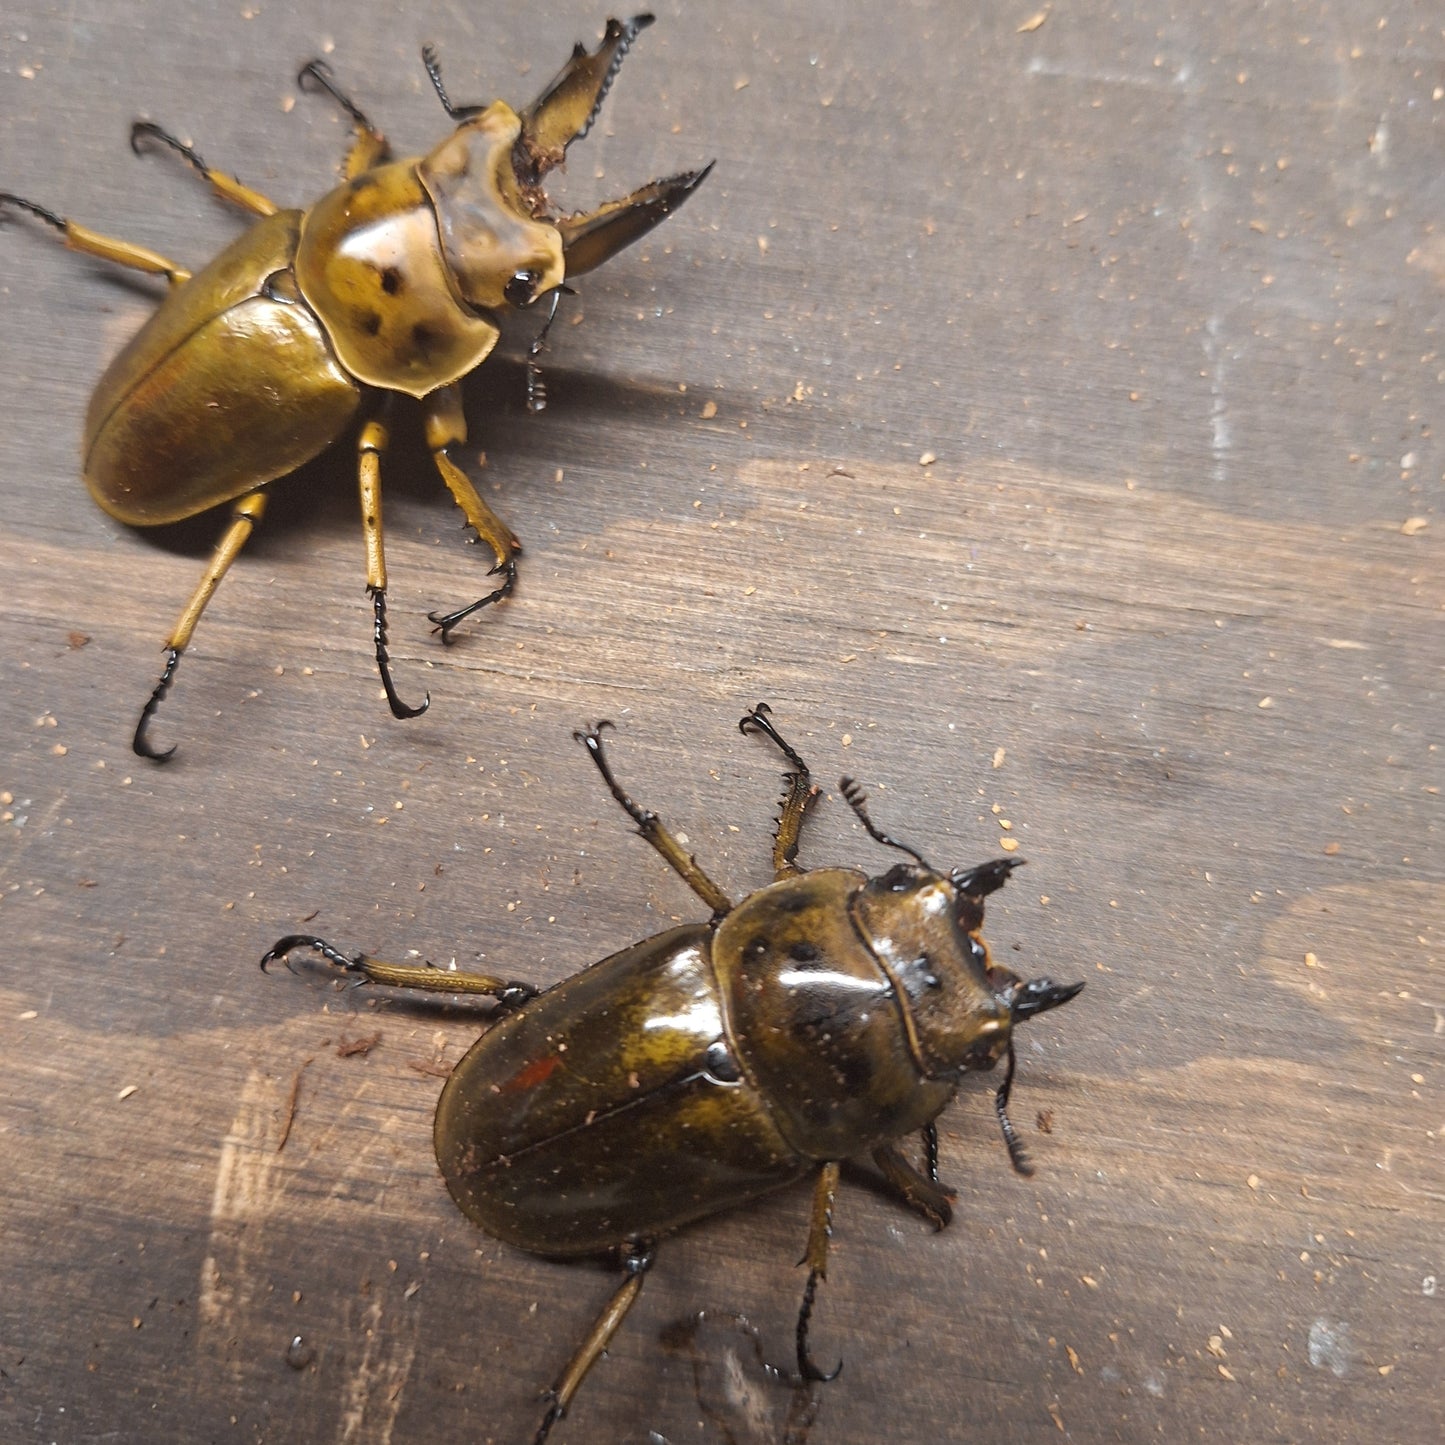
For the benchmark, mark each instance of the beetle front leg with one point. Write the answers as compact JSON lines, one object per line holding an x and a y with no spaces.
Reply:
{"x":820,"y":1231}
{"x":639,"y":1260}
{"x":244,"y":516}
{"x":654,"y":829}
{"x":108,"y":248}
{"x":228,"y":188}
{"x":369,"y":146}
{"x":372,"y":444}
{"x":446,"y":426}
{"x":924,"y":1195}
{"x":801,"y":792}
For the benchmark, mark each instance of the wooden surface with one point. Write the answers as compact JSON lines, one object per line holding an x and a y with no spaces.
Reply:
{"x":1161,"y":293}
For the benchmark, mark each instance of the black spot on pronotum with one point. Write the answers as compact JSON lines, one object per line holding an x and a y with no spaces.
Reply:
{"x":423,"y":337}
{"x":392,"y":281}
{"x":369,"y":322}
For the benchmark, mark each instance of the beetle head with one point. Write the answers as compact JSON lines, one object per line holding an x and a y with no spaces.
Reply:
{"x":925,"y":935}
{"x":926,"y":930}
{"x":501,"y":240}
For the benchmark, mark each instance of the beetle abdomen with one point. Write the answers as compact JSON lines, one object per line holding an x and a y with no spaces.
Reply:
{"x":231,"y":384}
{"x":609,"y":1108}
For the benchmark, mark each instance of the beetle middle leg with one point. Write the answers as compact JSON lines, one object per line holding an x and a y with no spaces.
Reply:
{"x":508,"y":993}
{"x":640,"y":1256}
{"x":371,"y":445}
{"x":247,"y":511}
{"x":654,"y":830}
{"x":228,"y":188}
{"x":801,"y":792}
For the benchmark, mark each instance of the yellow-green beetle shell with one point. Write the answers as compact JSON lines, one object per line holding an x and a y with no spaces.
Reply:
{"x":231,"y":384}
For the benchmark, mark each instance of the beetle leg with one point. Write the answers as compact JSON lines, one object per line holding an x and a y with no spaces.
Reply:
{"x":929,"y":1135}
{"x":820,"y":1231}
{"x":446,"y":426}
{"x":108,"y":248}
{"x":244,"y":516}
{"x":640,"y":1256}
{"x":372,"y":444}
{"x":801,"y":792}
{"x":918,"y":1193}
{"x":228,"y":188}
{"x":508,"y":993}
{"x":369,"y":146}
{"x":654,"y":830}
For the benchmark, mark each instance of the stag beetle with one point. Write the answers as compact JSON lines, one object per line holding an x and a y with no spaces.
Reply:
{"x":823,"y":1017}
{"x":390,"y":284}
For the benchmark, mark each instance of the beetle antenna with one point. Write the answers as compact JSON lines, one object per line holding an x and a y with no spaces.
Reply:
{"x":536,"y":386}
{"x":1016,"y":1155}
{"x":458,"y":113}
{"x":857,"y":800}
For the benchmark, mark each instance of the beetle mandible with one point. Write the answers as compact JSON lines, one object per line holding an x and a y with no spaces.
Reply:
{"x":823,"y":1017}
{"x":389,"y":285}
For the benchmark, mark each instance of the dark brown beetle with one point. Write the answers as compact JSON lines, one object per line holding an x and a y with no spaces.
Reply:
{"x":823,"y":1017}
{"x":390,"y":285}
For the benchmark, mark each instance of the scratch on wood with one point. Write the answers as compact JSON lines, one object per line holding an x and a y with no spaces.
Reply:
{"x":246,"y":1190}
{"x":291,"y":1098}
{"x":371,"y":1396}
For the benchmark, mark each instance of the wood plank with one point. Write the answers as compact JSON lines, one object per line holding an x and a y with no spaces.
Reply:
{"x":1160,"y":294}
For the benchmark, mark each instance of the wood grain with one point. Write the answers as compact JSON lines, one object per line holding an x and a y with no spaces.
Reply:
{"x":1160,"y":293}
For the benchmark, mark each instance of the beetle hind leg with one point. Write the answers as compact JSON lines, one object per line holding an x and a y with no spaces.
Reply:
{"x":640,"y":1256}
{"x":108,"y":248}
{"x":228,"y":188}
{"x":247,"y":511}
{"x":800,"y":794}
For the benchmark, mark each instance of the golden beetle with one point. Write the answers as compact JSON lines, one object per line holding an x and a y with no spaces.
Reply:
{"x":391,"y":283}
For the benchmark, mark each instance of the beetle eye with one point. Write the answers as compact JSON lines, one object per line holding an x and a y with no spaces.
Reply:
{"x":521,"y":290}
